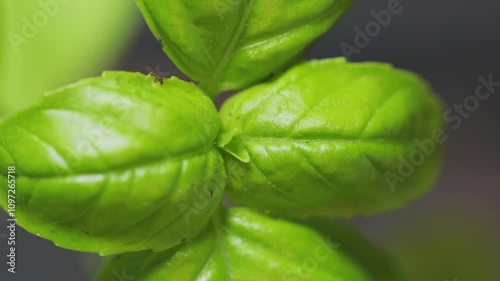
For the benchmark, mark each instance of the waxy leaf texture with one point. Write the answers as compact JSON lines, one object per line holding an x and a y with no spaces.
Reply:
{"x":330,"y":138}
{"x":243,"y":245}
{"x":229,"y":45}
{"x":119,"y":163}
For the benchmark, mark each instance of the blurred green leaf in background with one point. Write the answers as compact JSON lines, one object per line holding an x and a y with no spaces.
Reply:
{"x":48,"y":43}
{"x":444,"y":242}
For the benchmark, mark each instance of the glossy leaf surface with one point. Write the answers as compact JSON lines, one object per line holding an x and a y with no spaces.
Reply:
{"x":123,"y":162}
{"x":332,"y":138}
{"x":246,"y":246}
{"x":229,"y":45}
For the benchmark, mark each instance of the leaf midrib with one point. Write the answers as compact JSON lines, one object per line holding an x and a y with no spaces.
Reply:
{"x":118,"y":169}
{"x":212,"y":84}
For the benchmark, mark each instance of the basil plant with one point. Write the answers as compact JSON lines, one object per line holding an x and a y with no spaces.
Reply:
{"x":137,"y":165}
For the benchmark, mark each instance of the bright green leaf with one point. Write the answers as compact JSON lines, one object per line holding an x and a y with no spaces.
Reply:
{"x":246,"y":246}
{"x":123,"y":162}
{"x":332,"y":138}
{"x":45,"y":44}
{"x":233,"y":44}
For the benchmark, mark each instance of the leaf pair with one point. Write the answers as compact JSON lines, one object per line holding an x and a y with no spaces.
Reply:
{"x":127,"y":162}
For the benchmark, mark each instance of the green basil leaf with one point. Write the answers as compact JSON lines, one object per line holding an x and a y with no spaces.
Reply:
{"x":331,"y":138}
{"x":245,"y":246}
{"x":228,"y":45}
{"x":123,"y":162}
{"x":47,"y":44}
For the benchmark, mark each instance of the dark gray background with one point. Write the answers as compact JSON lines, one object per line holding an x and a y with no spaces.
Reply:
{"x":450,"y":43}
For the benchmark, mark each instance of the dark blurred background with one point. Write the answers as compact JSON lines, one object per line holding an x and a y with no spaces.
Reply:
{"x":453,"y":233}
